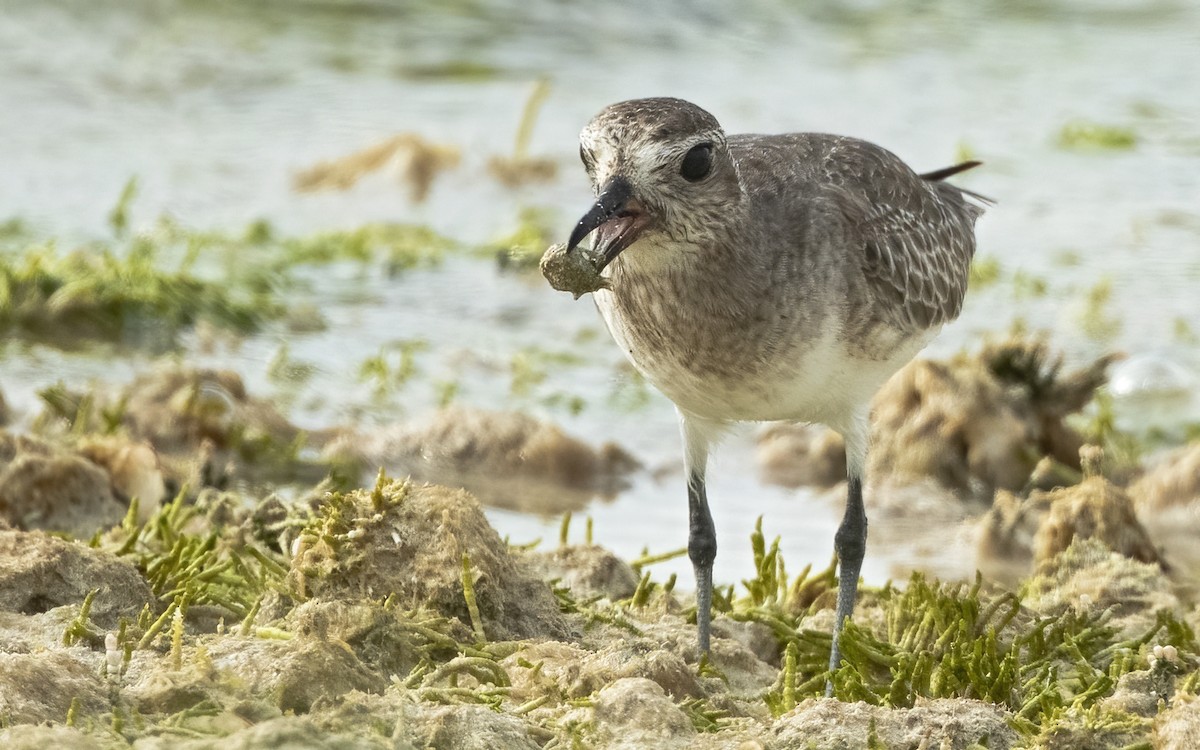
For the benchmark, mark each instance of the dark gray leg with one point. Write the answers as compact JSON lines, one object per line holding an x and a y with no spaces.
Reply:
{"x":851,"y":544}
{"x":702,"y":549}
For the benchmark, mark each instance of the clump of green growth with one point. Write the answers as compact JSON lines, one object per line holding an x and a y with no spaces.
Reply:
{"x":949,"y":640}
{"x":1026,"y":285}
{"x":984,"y":272}
{"x":118,"y":217}
{"x":80,"y":628}
{"x":80,"y":412}
{"x":531,"y":366}
{"x":521,"y":168}
{"x":1090,"y":135}
{"x":187,"y":567}
{"x":468,"y":583}
{"x":1122,"y":450}
{"x":393,"y":367}
{"x":398,"y":247}
{"x":630,"y":391}
{"x":1094,"y":317}
{"x":125,"y":297}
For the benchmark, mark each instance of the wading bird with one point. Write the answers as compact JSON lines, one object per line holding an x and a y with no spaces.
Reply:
{"x":768,"y":278}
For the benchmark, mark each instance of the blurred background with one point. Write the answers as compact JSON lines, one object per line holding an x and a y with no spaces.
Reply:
{"x":364,"y":188}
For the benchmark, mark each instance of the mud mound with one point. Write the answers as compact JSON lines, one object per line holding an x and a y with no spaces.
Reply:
{"x":801,"y":456}
{"x":40,"y":572}
{"x":42,"y":487}
{"x":40,"y":737}
{"x":409,"y":542}
{"x":973,"y":423}
{"x":40,"y":687}
{"x":506,"y":459}
{"x":945,"y":723}
{"x":1088,"y":574}
{"x":294,"y":673}
{"x":208,"y":431}
{"x":1167,"y":498}
{"x":634,"y":712}
{"x":1178,"y":728}
{"x":1173,"y":482}
{"x":178,"y":408}
{"x":1019,"y":533}
{"x":588,"y":570}
{"x":982,"y":422}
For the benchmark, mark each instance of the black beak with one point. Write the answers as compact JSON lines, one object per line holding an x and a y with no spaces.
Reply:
{"x":613,"y":202}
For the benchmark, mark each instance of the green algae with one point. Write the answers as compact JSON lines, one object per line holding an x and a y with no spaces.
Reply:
{"x":389,"y":371}
{"x":126,"y":297}
{"x":984,"y":272}
{"x":1083,"y":135}
{"x":397,"y":247}
{"x":184,"y":567}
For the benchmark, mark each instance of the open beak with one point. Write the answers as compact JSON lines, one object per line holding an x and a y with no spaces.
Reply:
{"x":617,"y":219}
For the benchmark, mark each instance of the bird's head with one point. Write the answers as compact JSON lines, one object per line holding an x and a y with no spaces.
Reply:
{"x":661,"y":170}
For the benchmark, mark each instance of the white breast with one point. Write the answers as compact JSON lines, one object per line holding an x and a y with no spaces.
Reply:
{"x":822,"y":381}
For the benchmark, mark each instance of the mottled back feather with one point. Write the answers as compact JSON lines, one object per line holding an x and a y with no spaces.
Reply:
{"x":916,"y":233}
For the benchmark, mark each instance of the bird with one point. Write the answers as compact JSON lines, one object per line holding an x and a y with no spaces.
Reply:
{"x":768,"y":278}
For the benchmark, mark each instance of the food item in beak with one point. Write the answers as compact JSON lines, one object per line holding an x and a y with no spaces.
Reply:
{"x":577,"y":271}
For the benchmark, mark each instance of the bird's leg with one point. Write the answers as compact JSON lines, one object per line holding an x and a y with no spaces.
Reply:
{"x":702,"y":535}
{"x":702,"y":550}
{"x":851,"y":544}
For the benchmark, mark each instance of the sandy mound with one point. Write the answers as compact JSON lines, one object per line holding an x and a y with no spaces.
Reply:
{"x":506,"y":459}
{"x":409,"y":542}
{"x":1020,"y":533}
{"x":40,"y":572}
{"x":972,"y":423}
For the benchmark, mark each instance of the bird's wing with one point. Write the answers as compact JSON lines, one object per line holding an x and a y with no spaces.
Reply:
{"x":917,"y":233}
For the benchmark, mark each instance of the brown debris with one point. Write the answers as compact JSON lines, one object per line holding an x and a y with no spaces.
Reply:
{"x":982,"y":422}
{"x":1093,"y":509}
{"x":1167,"y":498}
{"x":133,"y":468}
{"x":418,"y":161}
{"x":515,"y":172}
{"x":507,"y":459}
{"x":206,"y":430}
{"x":177,"y":408}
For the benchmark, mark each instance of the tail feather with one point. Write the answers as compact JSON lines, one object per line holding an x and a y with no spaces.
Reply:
{"x":938,"y":175}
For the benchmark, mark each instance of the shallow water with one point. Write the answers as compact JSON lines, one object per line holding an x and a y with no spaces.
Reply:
{"x":215,"y":106}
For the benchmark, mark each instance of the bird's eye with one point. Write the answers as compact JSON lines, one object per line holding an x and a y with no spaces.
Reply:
{"x":697,"y":163}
